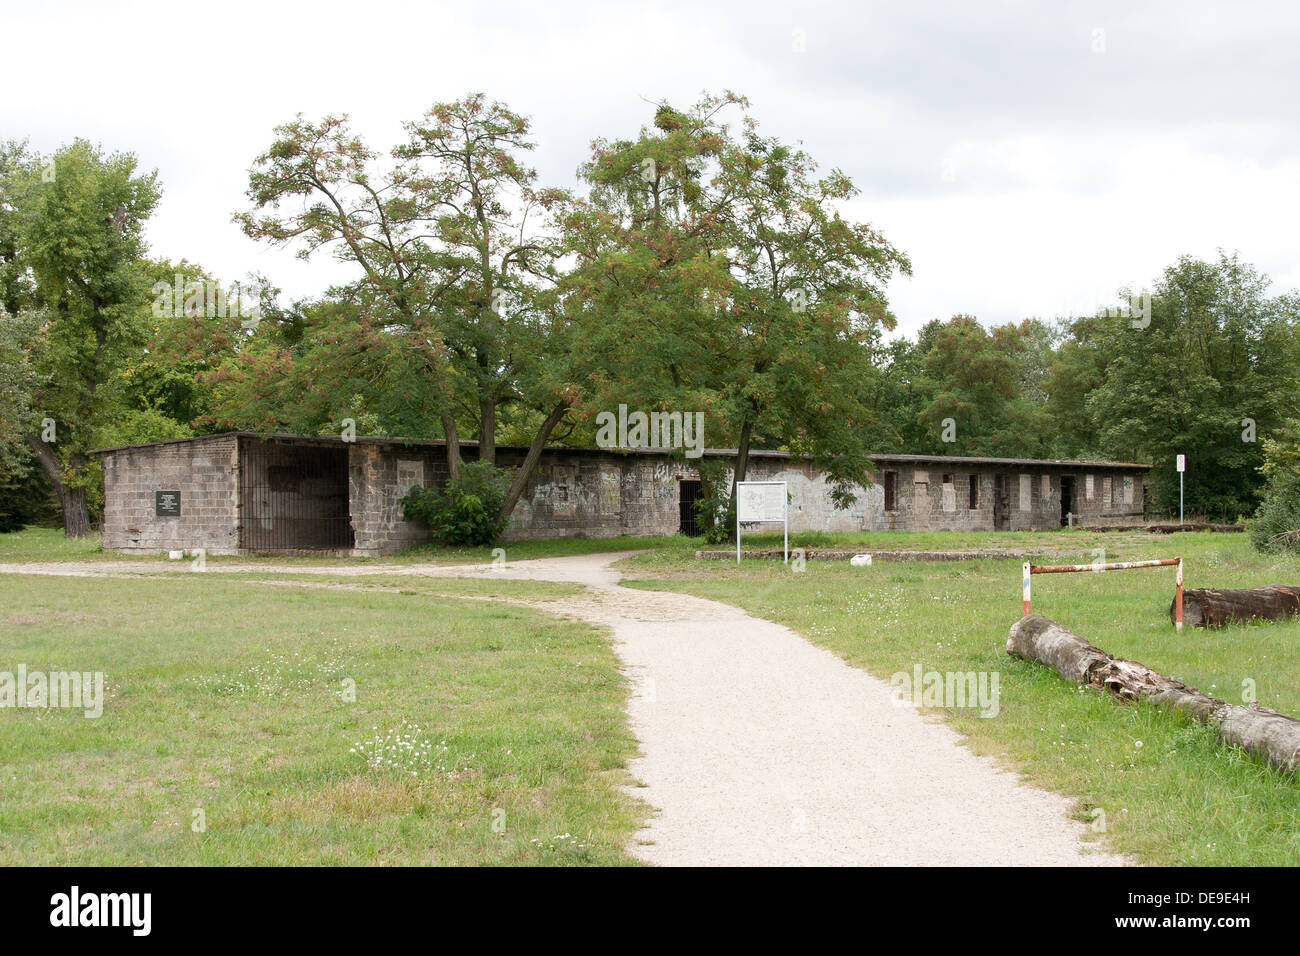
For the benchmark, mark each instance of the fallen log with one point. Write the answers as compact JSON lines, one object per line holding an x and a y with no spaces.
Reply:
{"x":1269,"y":735}
{"x":1216,"y":607}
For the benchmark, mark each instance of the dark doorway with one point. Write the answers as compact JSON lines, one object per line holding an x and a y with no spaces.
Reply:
{"x":1001,"y":503}
{"x":293,"y":497}
{"x":1067,"y":499}
{"x":690,"y":520}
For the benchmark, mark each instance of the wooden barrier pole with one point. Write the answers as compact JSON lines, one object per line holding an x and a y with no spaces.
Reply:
{"x":1025,"y":568}
{"x":1178,"y":597}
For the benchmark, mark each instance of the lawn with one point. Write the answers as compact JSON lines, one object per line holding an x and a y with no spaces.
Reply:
{"x":496,"y":733}
{"x":1168,"y":792}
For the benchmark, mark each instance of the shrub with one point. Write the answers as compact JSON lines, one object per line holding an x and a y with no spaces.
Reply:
{"x":1277,"y":521}
{"x":715,"y":516}
{"x":468,"y":510}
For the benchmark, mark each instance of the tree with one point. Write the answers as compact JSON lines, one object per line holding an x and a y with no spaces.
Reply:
{"x":450,"y":308}
{"x":78,"y":236}
{"x":716,"y":274}
{"x":794,"y":344}
{"x":1210,"y":370}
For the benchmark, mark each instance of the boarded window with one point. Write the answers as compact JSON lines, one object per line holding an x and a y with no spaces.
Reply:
{"x":1087,"y":487}
{"x":948,"y":494}
{"x":1026,"y":492}
{"x":1047,"y":487}
{"x":891,"y":491}
{"x":974,"y":492}
{"x":1128,"y":490}
{"x":1105,"y":492}
{"x":410,"y":474}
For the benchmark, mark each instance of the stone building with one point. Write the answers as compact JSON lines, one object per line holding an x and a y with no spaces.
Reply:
{"x":239,"y":493}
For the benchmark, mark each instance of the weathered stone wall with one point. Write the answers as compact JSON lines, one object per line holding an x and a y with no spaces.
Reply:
{"x":204,"y":471}
{"x":379,"y":476}
{"x":592,"y":493}
{"x":1031,"y":496}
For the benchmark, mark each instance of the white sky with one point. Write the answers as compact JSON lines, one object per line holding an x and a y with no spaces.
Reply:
{"x":1028,"y":164}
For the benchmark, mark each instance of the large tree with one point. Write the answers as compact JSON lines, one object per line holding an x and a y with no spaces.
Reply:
{"x":451,"y":306}
{"x":754,"y":300}
{"x":77,"y":230}
{"x":1208,"y":373}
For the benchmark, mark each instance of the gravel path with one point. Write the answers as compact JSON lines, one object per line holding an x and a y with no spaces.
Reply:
{"x":759,"y":748}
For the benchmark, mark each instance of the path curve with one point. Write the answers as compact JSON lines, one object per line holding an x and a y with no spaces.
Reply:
{"x":759,"y":748}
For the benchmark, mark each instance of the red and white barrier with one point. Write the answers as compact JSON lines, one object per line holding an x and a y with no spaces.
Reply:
{"x":1032,"y":569}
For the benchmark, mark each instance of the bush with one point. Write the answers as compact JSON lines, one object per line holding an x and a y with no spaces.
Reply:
{"x":1277,"y":522}
{"x":715,"y":516}
{"x":468,"y":510}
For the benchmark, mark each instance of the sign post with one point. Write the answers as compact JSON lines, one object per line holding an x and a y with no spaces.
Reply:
{"x":1181,"y":465}
{"x":762,"y":501}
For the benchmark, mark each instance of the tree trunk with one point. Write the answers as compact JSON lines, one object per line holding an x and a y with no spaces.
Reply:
{"x":742,"y":457}
{"x":487,"y":429}
{"x":1215,"y":607}
{"x":525,"y":471}
{"x":453,"y":446}
{"x":72,"y":501}
{"x":1265,"y":733}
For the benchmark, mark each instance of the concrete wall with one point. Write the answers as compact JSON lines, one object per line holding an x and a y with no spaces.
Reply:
{"x":379,"y":476}
{"x":1032,"y":494}
{"x":205,"y":472}
{"x":590,"y":493}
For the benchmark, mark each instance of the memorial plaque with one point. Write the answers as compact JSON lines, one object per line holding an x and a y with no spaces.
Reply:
{"x":167,"y":504}
{"x":760,"y":502}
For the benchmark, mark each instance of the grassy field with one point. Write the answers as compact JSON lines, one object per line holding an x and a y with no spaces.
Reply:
{"x":1169,"y":792}
{"x":227,"y":696}
{"x":239,"y":714}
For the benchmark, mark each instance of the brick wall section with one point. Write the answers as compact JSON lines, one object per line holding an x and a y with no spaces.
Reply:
{"x":205,"y":472}
{"x":375,"y":493}
{"x":1032,"y":494}
{"x":592,"y":493}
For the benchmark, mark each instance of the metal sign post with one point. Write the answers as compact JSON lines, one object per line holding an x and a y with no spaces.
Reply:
{"x":762,"y":501}
{"x":1181,"y":465}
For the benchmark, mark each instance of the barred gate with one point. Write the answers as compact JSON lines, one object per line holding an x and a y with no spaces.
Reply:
{"x":293,"y":498}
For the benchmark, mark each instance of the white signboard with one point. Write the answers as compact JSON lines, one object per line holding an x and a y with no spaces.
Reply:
{"x":762,"y":501}
{"x":1182,"y":463}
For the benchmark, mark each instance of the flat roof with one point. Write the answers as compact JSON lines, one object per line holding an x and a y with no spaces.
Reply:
{"x":712,"y":452}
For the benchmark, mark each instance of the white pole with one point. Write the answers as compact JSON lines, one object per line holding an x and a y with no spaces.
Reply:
{"x":1180,"y":497}
{"x":787,"y":534}
{"x":737,"y":526}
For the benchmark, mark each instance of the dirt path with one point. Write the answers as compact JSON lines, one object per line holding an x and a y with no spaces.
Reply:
{"x":760,"y":749}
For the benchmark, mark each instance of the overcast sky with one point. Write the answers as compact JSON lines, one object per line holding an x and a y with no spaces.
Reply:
{"x":1031,"y":158}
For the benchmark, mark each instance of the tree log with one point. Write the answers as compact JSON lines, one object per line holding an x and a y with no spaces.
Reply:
{"x":1267,"y":734}
{"x":1215,"y":607}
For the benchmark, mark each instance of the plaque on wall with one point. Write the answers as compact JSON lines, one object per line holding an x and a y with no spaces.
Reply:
{"x":167,"y":504}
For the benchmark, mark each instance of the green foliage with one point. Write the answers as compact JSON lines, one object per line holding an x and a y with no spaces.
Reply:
{"x":468,"y":510}
{"x":714,"y":510}
{"x":1277,"y":521}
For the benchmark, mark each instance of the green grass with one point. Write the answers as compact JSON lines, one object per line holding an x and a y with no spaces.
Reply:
{"x":1178,"y":798}
{"x":226,"y":695}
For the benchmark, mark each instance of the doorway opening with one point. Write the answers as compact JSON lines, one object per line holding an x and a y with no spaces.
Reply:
{"x":689,"y":493}
{"x":1001,"y":503}
{"x":293,"y":497}
{"x":1067,"y":499}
